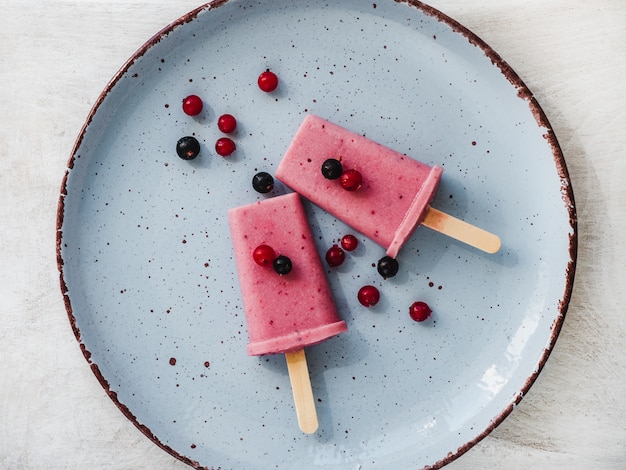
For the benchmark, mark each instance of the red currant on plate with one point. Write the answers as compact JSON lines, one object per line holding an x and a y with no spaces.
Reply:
{"x":351,"y":180}
{"x":349,"y":242}
{"x":264,"y":255}
{"x":268,"y":81}
{"x":368,"y":296}
{"x":225,"y":146}
{"x":335,"y":256}
{"x":227,"y":123}
{"x":192,"y":105}
{"x":419,"y":311}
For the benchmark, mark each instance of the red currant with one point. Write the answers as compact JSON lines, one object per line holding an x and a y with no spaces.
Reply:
{"x":368,"y":296}
{"x":351,"y":180}
{"x":419,"y":311}
{"x":192,"y":105}
{"x":335,"y":256}
{"x":264,"y":255}
{"x":349,"y":242}
{"x":227,"y":123}
{"x":268,"y":81}
{"x":225,"y":146}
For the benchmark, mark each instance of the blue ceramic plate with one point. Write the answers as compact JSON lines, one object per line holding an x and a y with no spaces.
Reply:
{"x":147,"y":268}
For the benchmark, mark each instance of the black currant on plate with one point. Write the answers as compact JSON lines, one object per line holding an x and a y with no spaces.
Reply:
{"x":188,"y":147}
{"x":387,"y":267}
{"x":263,"y":182}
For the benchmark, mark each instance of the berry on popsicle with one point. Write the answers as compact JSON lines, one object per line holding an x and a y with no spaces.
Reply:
{"x":264,"y":255}
{"x":332,"y":169}
{"x":351,"y":180}
{"x":282,"y":265}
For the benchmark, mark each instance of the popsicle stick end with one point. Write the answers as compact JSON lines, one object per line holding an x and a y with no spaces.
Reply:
{"x":462,"y":231}
{"x":302,"y":392}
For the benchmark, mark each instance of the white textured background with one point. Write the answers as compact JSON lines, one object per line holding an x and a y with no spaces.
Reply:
{"x":55,"y":59}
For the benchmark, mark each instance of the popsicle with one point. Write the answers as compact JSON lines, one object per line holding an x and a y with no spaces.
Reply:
{"x":284,"y":312}
{"x":394,"y":197}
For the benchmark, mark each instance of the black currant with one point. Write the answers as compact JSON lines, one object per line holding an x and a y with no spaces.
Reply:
{"x":282,"y":265}
{"x":387,"y":267}
{"x":263,"y":182}
{"x":332,"y":169}
{"x":188,"y":148}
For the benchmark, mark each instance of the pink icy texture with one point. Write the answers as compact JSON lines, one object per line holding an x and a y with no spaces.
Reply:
{"x":396,"y":190}
{"x":284,"y":313}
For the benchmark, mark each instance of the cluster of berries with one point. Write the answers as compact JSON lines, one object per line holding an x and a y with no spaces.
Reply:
{"x":350,"y":179}
{"x":188,"y":147}
{"x":387,"y":267}
{"x":264,"y":255}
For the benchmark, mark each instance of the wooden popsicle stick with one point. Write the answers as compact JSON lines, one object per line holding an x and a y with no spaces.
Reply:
{"x":302,"y":392}
{"x":461,"y":230}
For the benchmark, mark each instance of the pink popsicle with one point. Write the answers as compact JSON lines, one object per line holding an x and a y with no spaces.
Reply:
{"x":395,"y":195}
{"x":290,"y":312}
{"x":284,"y":313}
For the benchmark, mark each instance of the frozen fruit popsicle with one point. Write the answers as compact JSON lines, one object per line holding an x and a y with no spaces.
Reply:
{"x":284,"y":312}
{"x":393,"y":198}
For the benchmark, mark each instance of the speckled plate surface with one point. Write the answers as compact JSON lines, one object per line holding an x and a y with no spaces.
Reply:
{"x":146,"y":263}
